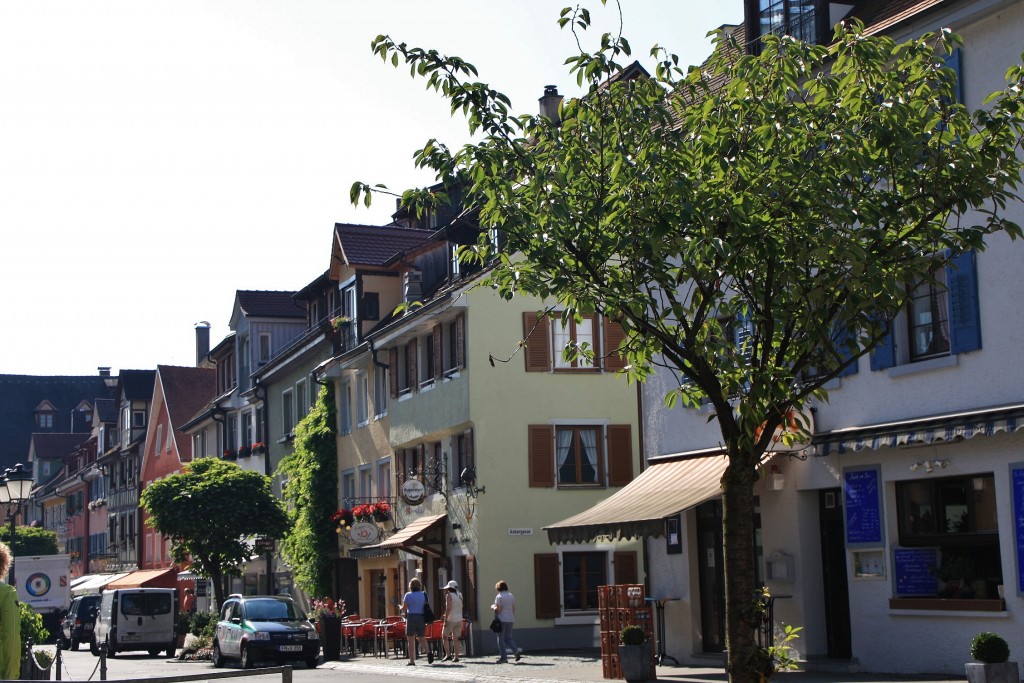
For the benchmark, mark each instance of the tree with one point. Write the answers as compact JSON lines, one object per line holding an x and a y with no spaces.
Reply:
{"x":312,"y":496}
{"x":30,"y":540}
{"x":752,"y":224}
{"x":209,"y":511}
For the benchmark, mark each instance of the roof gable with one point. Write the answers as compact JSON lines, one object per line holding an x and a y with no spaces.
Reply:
{"x":372,"y":245}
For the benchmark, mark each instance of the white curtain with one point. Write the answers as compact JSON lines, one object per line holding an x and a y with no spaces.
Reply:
{"x":563,"y":444}
{"x":589,"y":439}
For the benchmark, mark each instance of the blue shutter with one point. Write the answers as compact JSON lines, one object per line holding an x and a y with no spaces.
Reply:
{"x":964,"y":312}
{"x":952,"y":61}
{"x":883,"y":356}
{"x":846,"y":353}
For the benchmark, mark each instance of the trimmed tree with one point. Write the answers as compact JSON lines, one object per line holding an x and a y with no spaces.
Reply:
{"x":30,"y":540}
{"x":753,"y":225}
{"x":311,"y":492}
{"x":210,"y":511}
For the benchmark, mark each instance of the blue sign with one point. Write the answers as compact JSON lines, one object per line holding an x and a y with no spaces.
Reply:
{"x":914,"y":571}
{"x":1017,"y":481}
{"x":863,"y":507}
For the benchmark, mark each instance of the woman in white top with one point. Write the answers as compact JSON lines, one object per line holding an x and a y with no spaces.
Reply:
{"x":505,"y":609}
{"x":452,"y":628}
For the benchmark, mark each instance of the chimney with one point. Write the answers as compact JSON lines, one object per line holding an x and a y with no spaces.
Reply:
{"x":550,"y":102}
{"x":412,"y":284}
{"x":202,"y":341}
{"x":104,"y":370}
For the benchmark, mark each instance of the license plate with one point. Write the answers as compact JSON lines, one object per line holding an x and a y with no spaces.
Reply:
{"x":290,"y":648}
{"x":131,"y":637}
{"x":88,"y":627}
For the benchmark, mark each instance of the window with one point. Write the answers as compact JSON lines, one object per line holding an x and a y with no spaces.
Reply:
{"x":958,"y":516}
{"x":348,"y":486}
{"x":449,"y":348}
{"x":384,"y":478}
{"x":362,"y":399}
{"x":259,"y":422}
{"x":366,"y":481}
{"x":462,"y":445}
{"x":247,"y":429}
{"x":942,"y":318}
{"x":787,"y":17}
{"x":301,"y":399}
{"x":380,"y":391}
{"x":371,"y":306}
{"x":402,"y":362}
{"x":580,"y":455}
{"x":410,"y":463}
{"x":138,"y":418}
{"x":243,"y":362}
{"x":158,"y":441}
{"x":582,"y":573}
{"x":426,"y":361}
{"x":44,"y":420}
{"x":231,"y":433}
{"x":287,"y":411}
{"x":264,"y":349}
{"x":547,"y":339}
{"x":345,"y":409}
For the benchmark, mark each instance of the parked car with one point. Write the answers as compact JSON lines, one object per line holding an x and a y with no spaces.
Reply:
{"x":76,"y":627}
{"x":137,"y":619}
{"x":255,"y":628}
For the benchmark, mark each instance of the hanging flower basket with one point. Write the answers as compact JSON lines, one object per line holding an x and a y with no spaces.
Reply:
{"x":244,"y":452}
{"x":229,"y":454}
{"x":381,"y":511}
{"x":259,"y":448}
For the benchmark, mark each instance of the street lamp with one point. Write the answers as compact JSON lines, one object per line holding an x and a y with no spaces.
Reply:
{"x":16,"y":488}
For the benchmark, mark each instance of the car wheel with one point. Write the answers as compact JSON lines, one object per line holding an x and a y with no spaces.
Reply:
{"x":94,"y":648}
{"x":154,"y":652}
{"x":218,"y":656}
{"x":247,"y":661}
{"x":172,"y":650}
{"x":312,"y":662}
{"x":111,"y":652}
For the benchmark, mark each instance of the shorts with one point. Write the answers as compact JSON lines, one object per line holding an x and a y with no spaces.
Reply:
{"x":452,"y":628}
{"x":415,"y":625}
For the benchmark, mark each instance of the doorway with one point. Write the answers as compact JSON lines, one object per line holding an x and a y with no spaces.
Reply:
{"x":833,"y":567}
{"x":711,"y":575}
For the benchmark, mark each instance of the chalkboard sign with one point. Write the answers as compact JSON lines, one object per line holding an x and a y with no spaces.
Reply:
{"x":863,"y":507}
{"x":913,"y":571}
{"x":1017,"y":481}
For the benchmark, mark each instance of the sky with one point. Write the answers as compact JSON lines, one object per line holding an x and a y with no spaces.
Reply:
{"x":156,"y":156}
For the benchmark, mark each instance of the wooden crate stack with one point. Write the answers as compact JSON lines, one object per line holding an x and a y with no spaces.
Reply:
{"x":620,"y":606}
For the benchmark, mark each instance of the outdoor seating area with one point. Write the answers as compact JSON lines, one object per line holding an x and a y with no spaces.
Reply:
{"x":383,"y":637}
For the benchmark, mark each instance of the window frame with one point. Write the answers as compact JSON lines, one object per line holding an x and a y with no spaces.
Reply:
{"x":288,"y":411}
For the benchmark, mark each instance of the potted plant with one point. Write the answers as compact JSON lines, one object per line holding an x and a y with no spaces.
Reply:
{"x":35,"y":664}
{"x":634,"y":654}
{"x":991,"y":665}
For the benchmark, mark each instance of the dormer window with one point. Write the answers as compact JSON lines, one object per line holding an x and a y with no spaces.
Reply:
{"x":45,"y":412}
{"x":797,"y":18}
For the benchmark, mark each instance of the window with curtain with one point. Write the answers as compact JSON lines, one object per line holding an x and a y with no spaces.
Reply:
{"x":582,"y":573}
{"x":578,"y":454}
{"x":572,"y":334}
{"x":928,"y":317}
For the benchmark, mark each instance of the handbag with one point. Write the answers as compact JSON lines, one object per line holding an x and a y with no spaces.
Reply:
{"x":496,"y":625}
{"x":428,"y":612}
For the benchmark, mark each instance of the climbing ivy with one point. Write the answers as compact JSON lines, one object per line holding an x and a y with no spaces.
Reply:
{"x":310,"y":474}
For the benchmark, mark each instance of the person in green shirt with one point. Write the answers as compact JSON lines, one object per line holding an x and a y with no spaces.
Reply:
{"x":10,"y":622}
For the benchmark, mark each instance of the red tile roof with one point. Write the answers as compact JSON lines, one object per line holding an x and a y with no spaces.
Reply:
{"x":267,"y":304}
{"x":187,"y":391}
{"x":57,"y":445}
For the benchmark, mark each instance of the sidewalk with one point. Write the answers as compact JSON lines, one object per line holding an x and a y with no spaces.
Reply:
{"x":553,"y":667}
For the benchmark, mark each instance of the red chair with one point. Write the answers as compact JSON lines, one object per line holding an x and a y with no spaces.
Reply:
{"x":433,"y":633}
{"x":388,"y":630}
{"x":366,"y":634}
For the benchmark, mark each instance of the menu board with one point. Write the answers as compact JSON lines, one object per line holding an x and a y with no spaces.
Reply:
{"x":913,"y":571}
{"x":1017,"y":482}
{"x":863,"y":506}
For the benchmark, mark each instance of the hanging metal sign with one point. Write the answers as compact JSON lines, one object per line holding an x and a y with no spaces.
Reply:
{"x":364,"y":533}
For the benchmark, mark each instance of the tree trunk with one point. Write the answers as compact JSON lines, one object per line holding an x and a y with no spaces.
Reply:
{"x":738,"y":532}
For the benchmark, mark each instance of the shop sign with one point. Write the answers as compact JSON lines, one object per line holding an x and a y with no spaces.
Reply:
{"x":413,"y":491}
{"x":364,"y":533}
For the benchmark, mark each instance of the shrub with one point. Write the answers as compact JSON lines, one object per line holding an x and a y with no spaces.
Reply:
{"x":632,"y":635}
{"x":184,"y":623}
{"x":989,"y":648}
{"x":203,"y":623}
{"x":32,"y":629}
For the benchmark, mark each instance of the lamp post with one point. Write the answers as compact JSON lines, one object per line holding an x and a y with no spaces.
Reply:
{"x":17,"y":486}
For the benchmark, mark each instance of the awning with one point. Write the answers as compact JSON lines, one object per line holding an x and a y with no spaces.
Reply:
{"x":411,"y":538}
{"x":147,"y":578}
{"x":639,"y":509}
{"x":920,"y":431}
{"x":93,"y":583}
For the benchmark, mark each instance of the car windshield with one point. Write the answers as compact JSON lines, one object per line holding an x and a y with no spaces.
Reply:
{"x":270,"y":610}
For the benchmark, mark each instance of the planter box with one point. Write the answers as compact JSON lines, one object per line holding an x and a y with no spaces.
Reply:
{"x":1004,"y":672}
{"x":635,"y":662}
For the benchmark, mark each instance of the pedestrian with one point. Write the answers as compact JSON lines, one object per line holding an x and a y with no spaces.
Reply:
{"x":10,"y":622}
{"x":415,"y":623}
{"x":452,"y":622}
{"x":188,"y":601}
{"x":505,"y":609}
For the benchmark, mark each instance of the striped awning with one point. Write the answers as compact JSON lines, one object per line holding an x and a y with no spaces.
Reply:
{"x":639,"y":509}
{"x":922,"y":431}
{"x":412,"y":538}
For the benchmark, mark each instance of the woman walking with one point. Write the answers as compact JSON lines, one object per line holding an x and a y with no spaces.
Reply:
{"x":415,"y":623}
{"x":10,"y":622}
{"x":505,"y":609}
{"x":452,"y":622}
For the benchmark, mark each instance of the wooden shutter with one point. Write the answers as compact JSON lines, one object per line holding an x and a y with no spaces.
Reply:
{"x":613,"y":336}
{"x":883,"y":356}
{"x":460,"y":340}
{"x":620,"y":455}
{"x":546,"y":583}
{"x":393,"y":371}
{"x":538,"y":342}
{"x":964,"y":318}
{"x":410,"y":365}
{"x":624,"y":565}
{"x":469,"y":588}
{"x":470,"y":455}
{"x":438,"y":354}
{"x":541,"y":454}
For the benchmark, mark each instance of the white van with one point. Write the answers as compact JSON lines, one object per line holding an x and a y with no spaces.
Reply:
{"x":137,"y":619}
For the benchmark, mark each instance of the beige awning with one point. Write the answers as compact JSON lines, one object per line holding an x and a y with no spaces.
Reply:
{"x":640,"y":508}
{"x":412,"y":537}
